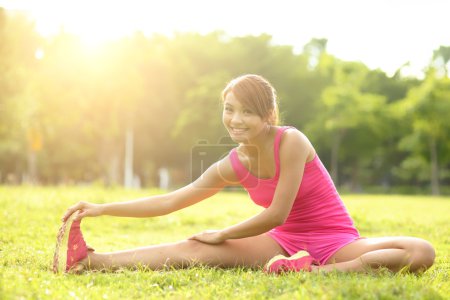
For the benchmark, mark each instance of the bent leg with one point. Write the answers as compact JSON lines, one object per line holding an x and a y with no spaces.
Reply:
{"x":394,"y":253}
{"x":251,"y":252}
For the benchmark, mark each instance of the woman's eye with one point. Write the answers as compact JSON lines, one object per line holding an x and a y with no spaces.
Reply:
{"x":227,"y":109}
{"x":248,"y":112}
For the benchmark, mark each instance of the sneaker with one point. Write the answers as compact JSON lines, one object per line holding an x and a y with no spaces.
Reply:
{"x":76,"y":251}
{"x":301,"y":261}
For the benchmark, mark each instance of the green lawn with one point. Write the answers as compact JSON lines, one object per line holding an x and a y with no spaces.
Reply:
{"x":31,"y":217}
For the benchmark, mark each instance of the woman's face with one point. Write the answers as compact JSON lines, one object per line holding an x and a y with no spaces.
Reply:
{"x":242,"y":123}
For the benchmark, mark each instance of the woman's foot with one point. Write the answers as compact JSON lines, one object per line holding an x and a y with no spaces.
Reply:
{"x":77,"y":250}
{"x":301,"y":261}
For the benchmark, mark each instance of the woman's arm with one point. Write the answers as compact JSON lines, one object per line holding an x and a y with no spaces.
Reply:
{"x":211,"y":182}
{"x":294,"y":151}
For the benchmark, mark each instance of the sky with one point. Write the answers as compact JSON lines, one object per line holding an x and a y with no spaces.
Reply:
{"x":383,"y":34}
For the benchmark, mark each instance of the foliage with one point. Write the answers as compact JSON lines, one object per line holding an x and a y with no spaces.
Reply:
{"x":65,"y":108}
{"x":425,"y":110}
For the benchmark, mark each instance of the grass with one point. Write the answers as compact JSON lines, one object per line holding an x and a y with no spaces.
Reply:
{"x":30,"y":218}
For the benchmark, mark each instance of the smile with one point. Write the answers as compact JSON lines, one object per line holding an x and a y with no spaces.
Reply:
{"x":238,"y":130}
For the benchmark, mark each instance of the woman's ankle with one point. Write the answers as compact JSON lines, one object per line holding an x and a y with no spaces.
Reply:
{"x":91,"y":261}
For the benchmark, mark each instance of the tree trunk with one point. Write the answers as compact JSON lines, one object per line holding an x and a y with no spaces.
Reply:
{"x":355,"y":185}
{"x":32,"y":168}
{"x":336,"y":143}
{"x":434,"y":167}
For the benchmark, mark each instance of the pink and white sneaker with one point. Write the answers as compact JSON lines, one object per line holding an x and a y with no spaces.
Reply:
{"x":301,"y":261}
{"x":75,"y":250}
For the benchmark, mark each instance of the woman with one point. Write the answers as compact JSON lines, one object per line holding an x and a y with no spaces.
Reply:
{"x":281,"y":171}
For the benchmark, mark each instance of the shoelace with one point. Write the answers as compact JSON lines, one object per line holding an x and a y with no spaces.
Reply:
{"x":59,"y":238}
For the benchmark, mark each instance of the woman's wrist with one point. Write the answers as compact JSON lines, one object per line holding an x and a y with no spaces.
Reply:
{"x":224,"y":234}
{"x":102,"y":209}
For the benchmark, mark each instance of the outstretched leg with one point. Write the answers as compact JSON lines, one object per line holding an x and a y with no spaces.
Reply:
{"x":394,"y":253}
{"x":251,"y":252}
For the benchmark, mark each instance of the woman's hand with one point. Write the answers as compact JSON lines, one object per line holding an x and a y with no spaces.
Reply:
{"x":85,"y":209}
{"x":212,"y":237}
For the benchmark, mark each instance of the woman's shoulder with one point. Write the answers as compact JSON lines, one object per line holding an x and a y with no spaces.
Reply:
{"x":291,"y":133}
{"x":226,"y":170}
{"x":293,"y":138}
{"x":287,"y":128}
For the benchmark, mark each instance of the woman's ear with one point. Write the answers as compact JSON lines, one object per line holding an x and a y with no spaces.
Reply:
{"x":272,"y":118}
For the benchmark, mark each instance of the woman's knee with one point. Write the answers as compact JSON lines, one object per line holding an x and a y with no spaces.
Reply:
{"x":195,"y":252}
{"x":422,"y":254}
{"x":190,"y":246}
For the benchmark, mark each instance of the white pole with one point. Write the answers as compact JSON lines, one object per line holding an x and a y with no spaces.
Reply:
{"x":128,"y":166}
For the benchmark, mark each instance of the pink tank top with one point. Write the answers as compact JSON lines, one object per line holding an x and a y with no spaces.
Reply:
{"x":317,"y":206}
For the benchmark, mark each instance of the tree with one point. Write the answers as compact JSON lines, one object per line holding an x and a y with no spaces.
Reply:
{"x":426,"y":109}
{"x":345,"y":111}
{"x":441,"y":57}
{"x":18,"y":45}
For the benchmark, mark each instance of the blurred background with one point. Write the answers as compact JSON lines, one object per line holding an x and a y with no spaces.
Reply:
{"x":119,"y":92}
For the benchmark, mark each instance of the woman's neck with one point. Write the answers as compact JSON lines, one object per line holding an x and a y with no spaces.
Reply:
{"x":260,"y":144}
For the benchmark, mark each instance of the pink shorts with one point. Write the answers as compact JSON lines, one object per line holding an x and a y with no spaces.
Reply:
{"x":321,"y":246}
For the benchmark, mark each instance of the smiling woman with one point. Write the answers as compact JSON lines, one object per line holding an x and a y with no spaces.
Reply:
{"x":304,"y":225}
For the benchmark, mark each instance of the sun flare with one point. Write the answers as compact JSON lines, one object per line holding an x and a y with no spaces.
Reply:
{"x":375,"y":40}
{"x":95,"y":22}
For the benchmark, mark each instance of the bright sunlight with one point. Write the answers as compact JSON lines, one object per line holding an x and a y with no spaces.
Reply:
{"x":365,"y":31}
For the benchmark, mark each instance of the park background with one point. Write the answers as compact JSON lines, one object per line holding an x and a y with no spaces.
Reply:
{"x":119,"y":111}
